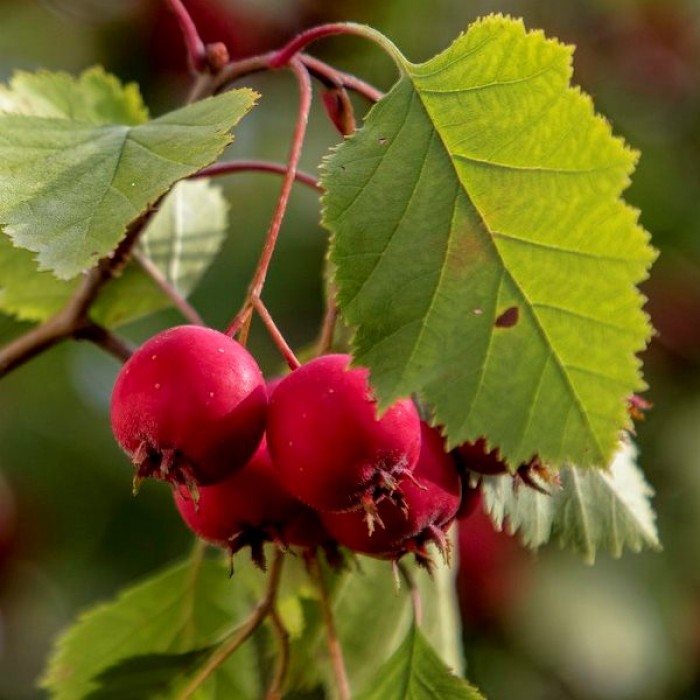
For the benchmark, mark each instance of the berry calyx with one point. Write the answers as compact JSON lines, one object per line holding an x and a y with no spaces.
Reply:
{"x":189,"y":407}
{"x":432,"y":496}
{"x":331,"y":449}
{"x":476,"y":457}
{"x":247,"y":508}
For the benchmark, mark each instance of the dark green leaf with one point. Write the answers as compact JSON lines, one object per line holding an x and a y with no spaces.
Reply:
{"x":143,"y":677}
{"x":186,"y":233}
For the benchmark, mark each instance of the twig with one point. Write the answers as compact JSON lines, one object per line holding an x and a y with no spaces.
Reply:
{"x":243,"y":632}
{"x":242,"y":319}
{"x":289,"y":52}
{"x":334,"y":649}
{"x":241,"y":166}
{"x":196,"y":51}
{"x":286,"y":352}
{"x":327,"y":332}
{"x":332,"y":77}
{"x":179,"y":302}
{"x":105,"y":339}
{"x":211,"y":84}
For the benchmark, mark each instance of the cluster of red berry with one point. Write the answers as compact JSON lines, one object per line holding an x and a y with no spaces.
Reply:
{"x":303,"y":460}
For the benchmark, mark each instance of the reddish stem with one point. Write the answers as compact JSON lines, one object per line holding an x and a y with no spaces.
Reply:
{"x":331,"y":77}
{"x":258,"y":281}
{"x":196,"y":51}
{"x":178,"y":301}
{"x":239,"y":166}
{"x":277,"y":337}
{"x":414,"y":591}
{"x":327,"y":332}
{"x":284,"y":55}
{"x":333,"y":642}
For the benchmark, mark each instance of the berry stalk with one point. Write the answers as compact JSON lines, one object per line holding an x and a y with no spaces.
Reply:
{"x":262,"y":610}
{"x":334,"y":648}
{"x":242,"y":319}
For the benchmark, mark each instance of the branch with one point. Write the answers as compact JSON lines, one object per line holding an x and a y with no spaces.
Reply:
{"x":73,"y":320}
{"x":104,"y":338}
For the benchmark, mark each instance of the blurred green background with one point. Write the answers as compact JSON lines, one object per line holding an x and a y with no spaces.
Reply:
{"x":543,"y":627}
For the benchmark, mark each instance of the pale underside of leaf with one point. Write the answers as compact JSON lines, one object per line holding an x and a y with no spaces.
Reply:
{"x":593,"y":510}
{"x":182,"y":238}
{"x":484,"y":254}
{"x":187,"y":232}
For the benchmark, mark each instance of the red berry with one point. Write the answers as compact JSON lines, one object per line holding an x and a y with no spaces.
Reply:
{"x":432,"y":496}
{"x":189,"y":406}
{"x":247,"y":508}
{"x":331,"y":450}
{"x":493,"y":574}
{"x":470,"y":498}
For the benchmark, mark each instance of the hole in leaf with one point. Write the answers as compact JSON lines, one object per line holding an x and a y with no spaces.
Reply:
{"x":508,"y":318}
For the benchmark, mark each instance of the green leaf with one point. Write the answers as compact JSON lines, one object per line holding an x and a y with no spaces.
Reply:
{"x":25,"y":292}
{"x":187,"y":232}
{"x":594,"y":509}
{"x":32,"y":295}
{"x":70,"y":187}
{"x":94,"y":97}
{"x":185,"y":608}
{"x":415,"y":672}
{"x":483,"y":251}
